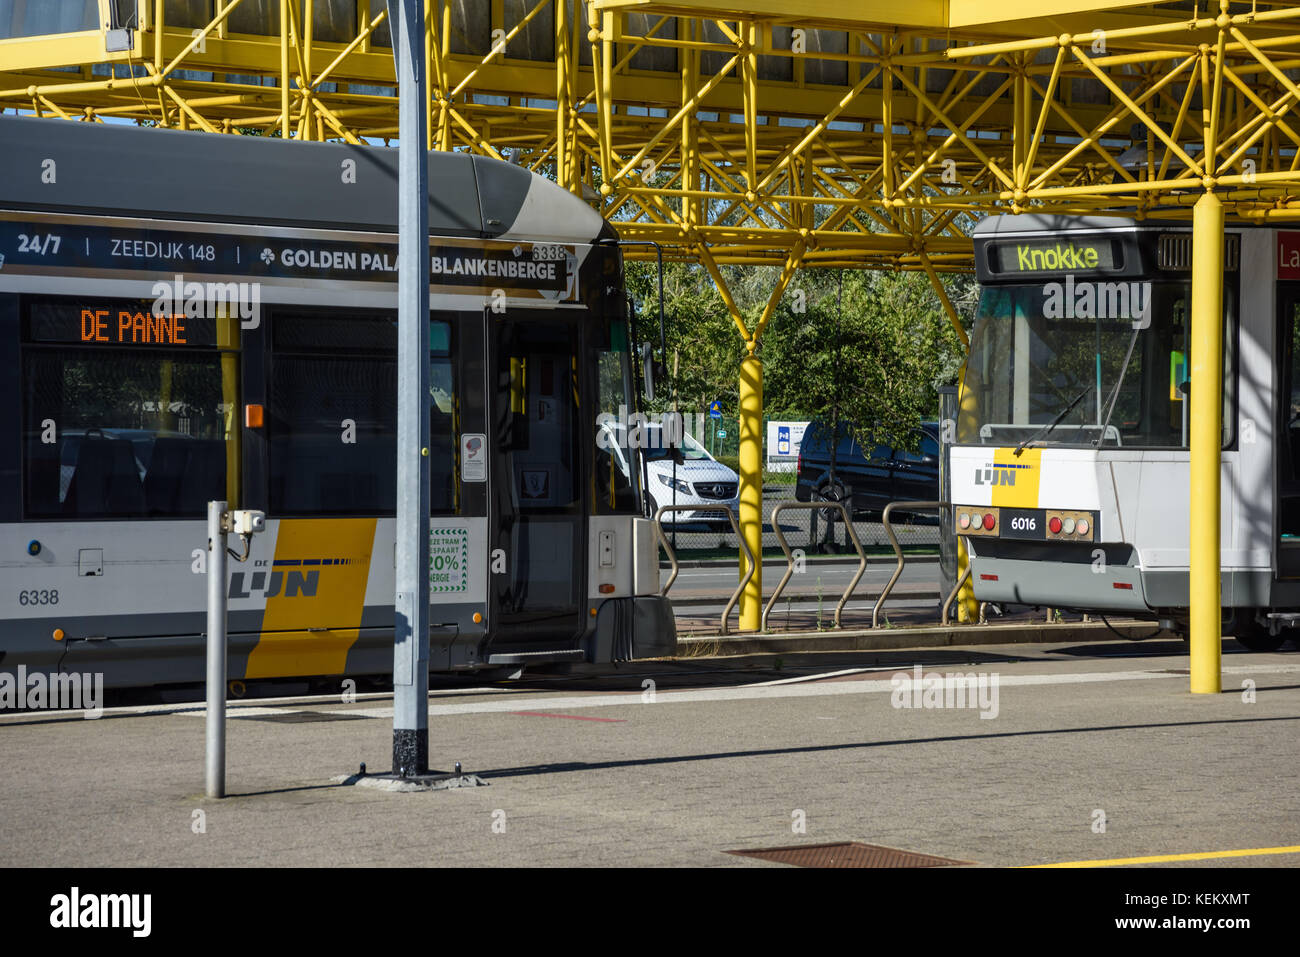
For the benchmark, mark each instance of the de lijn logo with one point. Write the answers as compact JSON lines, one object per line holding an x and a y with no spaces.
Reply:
{"x":998,"y":474}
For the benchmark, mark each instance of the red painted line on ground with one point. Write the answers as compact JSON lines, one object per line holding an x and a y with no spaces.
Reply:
{"x":572,"y":717}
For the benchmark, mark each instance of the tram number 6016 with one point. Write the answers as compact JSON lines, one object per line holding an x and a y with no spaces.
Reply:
{"x":1024,"y":523}
{"x":39,"y":597}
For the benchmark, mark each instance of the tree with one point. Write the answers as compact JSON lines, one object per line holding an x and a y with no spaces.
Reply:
{"x":869,"y":355}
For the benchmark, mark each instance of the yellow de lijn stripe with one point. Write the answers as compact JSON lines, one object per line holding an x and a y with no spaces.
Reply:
{"x":1164,"y":858}
{"x":311,"y":634}
{"x":1023,"y":471}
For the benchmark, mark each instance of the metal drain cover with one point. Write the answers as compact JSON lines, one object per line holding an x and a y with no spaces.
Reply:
{"x":302,"y":717}
{"x":847,"y":854}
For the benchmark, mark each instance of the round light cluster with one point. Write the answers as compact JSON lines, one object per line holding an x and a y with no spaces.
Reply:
{"x":1067,"y":526}
{"x":977,"y":521}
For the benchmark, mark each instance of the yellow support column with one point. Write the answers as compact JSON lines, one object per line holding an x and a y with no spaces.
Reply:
{"x":228,"y":343}
{"x":751,"y":485}
{"x":968,"y":608}
{"x":1206,"y":442}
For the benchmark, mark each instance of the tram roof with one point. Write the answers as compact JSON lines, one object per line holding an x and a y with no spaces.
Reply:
{"x":1012,"y":224}
{"x":110,"y":169}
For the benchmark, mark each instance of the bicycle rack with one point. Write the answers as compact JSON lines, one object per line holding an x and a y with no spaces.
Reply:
{"x":947,"y":602}
{"x":789,"y":557}
{"x":898,"y":553}
{"x":672,"y":555}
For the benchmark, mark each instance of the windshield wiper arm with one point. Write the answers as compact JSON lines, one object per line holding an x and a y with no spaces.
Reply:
{"x":1047,"y":429}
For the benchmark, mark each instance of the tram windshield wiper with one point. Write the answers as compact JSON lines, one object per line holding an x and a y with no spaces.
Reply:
{"x":1046,"y":430}
{"x":1114,"y":393}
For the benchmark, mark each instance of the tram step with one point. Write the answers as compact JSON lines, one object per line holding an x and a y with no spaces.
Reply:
{"x":1291,"y":618}
{"x":537,"y":657}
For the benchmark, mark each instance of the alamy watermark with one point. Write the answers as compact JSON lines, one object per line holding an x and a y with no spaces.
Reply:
{"x":37,"y":691}
{"x":639,"y":430}
{"x":76,"y":910}
{"x":934,"y":691}
{"x":209,"y":300}
{"x":1123,"y":301}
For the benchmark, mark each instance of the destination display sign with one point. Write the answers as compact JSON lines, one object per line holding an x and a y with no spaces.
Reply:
{"x":1288,"y":254}
{"x":117,"y":322}
{"x":81,"y":247}
{"x":1056,"y":256}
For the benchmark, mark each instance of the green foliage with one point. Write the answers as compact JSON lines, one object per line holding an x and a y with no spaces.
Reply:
{"x":868,"y":347}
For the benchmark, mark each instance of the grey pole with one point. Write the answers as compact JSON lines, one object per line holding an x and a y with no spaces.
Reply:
{"x":411,"y":601}
{"x":216,"y":709}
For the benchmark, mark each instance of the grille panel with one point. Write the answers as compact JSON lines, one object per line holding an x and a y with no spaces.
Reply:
{"x":717,"y":490}
{"x":848,"y":854}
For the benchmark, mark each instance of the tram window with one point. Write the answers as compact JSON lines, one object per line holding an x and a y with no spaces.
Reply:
{"x":537,"y":376}
{"x":333,"y":416}
{"x":444,"y":471}
{"x":614,"y":462}
{"x":332,"y":431}
{"x":1110,"y":373}
{"x":122,"y":435}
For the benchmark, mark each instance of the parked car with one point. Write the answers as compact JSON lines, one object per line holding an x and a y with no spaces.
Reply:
{"x":869,"y":479}
{"x":681,"y":475}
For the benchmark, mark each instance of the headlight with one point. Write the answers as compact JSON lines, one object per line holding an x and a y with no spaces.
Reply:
{"x":680,"y":484}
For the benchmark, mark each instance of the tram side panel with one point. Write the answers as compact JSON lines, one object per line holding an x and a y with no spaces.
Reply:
{"x":313,"y":598}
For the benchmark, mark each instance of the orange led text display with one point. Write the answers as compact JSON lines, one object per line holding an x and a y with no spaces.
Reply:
{"x":127,"y":327}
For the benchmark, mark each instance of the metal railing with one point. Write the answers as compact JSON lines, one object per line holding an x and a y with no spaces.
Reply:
{"x":789,"y":555}
{"x":886,"y":520}
{"x":898,"y":553}
{"x":672,"y":555}
{"x":947,"y":602}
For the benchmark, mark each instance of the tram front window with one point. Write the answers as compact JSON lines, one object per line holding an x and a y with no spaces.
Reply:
{"x":1084,"y":364}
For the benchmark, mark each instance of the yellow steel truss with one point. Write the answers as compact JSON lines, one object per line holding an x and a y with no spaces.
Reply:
{"x":739,"y":138}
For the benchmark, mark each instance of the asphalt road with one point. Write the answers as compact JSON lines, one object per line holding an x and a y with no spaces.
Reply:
{"x":1075,"y":753}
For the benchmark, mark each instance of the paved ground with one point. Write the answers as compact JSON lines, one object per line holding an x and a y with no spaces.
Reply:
{"x":728,"y":755}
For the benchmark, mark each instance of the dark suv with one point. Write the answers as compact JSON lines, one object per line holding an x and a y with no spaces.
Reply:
{"x":869,"y":478}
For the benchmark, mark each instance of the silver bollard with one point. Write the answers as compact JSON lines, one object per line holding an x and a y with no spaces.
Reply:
{"x":216,"y":709}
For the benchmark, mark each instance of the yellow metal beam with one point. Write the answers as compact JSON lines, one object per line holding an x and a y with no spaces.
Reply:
{"x":969,"y":13}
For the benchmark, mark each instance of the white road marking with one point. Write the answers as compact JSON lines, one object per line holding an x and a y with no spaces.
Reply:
{"x":866,"y":686}
{"x":798,"y":687}
{"x":818,"y":677}
{"x":236,"y":708}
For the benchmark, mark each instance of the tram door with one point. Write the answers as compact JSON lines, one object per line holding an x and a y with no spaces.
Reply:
{"x":537,"y":518}
{"x":1288,"y":430}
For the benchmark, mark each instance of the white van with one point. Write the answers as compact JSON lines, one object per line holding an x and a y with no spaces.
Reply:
{"x":685,"y":475}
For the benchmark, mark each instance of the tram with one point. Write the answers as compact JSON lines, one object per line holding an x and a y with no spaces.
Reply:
{"x":188,"y":317}
{"x":1070,"y":467}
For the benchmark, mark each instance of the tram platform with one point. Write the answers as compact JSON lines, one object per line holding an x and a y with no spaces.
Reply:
{"x":1062,"y":752}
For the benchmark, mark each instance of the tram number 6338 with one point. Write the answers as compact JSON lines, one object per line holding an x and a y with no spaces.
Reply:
{"x":39,"y":597}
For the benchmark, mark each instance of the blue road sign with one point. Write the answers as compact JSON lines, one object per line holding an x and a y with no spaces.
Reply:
{"x":715,"y":410}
